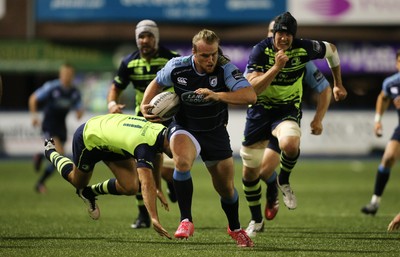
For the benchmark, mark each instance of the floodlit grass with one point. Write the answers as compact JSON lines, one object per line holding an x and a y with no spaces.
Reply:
{"x":327,"y":222}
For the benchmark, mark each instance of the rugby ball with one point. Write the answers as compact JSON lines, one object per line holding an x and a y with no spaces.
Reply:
{"x":165,"y":105}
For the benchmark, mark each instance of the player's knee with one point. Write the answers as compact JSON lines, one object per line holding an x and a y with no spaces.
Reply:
{"x":288,"y":134}
{"x":389,"y":161}
{"x":290,"y":146}
{"x":251,"y":157}
{"x":287,"y":129}
{"x":182,"y":163}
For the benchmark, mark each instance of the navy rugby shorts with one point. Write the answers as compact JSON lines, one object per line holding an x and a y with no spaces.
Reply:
{"x":260,"y":122}
{"x":396,"y":134}
{"x":215,"y":144}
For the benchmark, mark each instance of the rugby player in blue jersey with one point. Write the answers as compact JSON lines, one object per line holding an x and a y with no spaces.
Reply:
{"x":128,"y":145}
{"x":390,"y":93}
{"x":206,"y":82}
{"x":57,"y":98}
{"x":276,"y":69}
{"x":139,"y":68}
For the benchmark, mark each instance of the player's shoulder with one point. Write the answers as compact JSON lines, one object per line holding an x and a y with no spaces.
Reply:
{"x":181,"y":61}
{"x":301,"y":42}
{"x":167,"y":53}
{"x":310,"y":45}
{"x":52,"y":84}
{"x":395,"y":76}
{"x":131,"y":56}
{"x":261,"y":47}
{"x":265,"y":43}
{"x":393,"y":79}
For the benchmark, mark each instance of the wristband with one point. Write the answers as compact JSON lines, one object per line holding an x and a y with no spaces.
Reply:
{"x":334,"y":60}
{"x":378,"y":117}
{"x":332,"y":57}
{"x":111,"y":104}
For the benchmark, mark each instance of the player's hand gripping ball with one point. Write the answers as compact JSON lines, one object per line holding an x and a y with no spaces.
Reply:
{"x":165,"y":105}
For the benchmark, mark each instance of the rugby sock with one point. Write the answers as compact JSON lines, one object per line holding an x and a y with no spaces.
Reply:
{"x":272,"y":179}
{"x":47,"y":173}
{"x":382,"y":177}
{"x":272,"y":187}
{"x":287,"y":164}
{"x":63,"y":165}
{"x":231,"y":209}
{"x":107,"y":187}
{"x":252,"y":192}
{"x":183,"y":185}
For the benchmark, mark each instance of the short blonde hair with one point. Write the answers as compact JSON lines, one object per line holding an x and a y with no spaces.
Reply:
{"x":207,"y":36}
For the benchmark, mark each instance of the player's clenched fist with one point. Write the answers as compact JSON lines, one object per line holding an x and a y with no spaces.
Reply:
{"x":281,"y":59}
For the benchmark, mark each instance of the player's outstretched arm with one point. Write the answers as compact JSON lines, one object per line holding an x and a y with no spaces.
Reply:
{"x":149,"y":193}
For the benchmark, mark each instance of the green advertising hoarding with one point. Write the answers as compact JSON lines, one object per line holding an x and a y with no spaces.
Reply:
{"x":43,"y":56}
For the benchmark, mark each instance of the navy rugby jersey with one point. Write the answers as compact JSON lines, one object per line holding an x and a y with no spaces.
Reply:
{"x":286,"y":88}
{"x":137,"y":70}
{"x":391,"y":88}
{"x":181,"y":74}
{"x":58,"y":101}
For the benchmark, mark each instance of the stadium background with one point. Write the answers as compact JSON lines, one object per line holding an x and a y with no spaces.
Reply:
{"x":36,"y":36}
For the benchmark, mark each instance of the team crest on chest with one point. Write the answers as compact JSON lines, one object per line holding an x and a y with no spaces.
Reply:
{"x":296,"y":61}
{"x":213,"y":81}
{"x":271,"y":60}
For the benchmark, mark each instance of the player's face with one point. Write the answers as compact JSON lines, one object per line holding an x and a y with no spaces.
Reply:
{"x":66,"y":76}
{"x":283,"y":40}
{"x":205,"y":56}
{"x":146,"y":44}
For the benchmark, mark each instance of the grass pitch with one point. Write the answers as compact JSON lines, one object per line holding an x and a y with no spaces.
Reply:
{"x":327,"y":222}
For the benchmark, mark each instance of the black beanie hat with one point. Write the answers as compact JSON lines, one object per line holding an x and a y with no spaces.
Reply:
{"x":286,"y":22}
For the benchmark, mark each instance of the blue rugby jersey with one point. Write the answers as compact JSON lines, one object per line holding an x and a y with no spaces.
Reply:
{"x":181,"y":74}
{"x":57,"y":102}
{"x":391,"y":88}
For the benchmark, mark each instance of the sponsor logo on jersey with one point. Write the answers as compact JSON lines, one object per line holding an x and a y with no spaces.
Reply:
{"x":316,"y":46}
{"x":182,"y":81}
{"x":191,"y":98}
{"x":318,"y":75}
{"x":237,"y":74}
